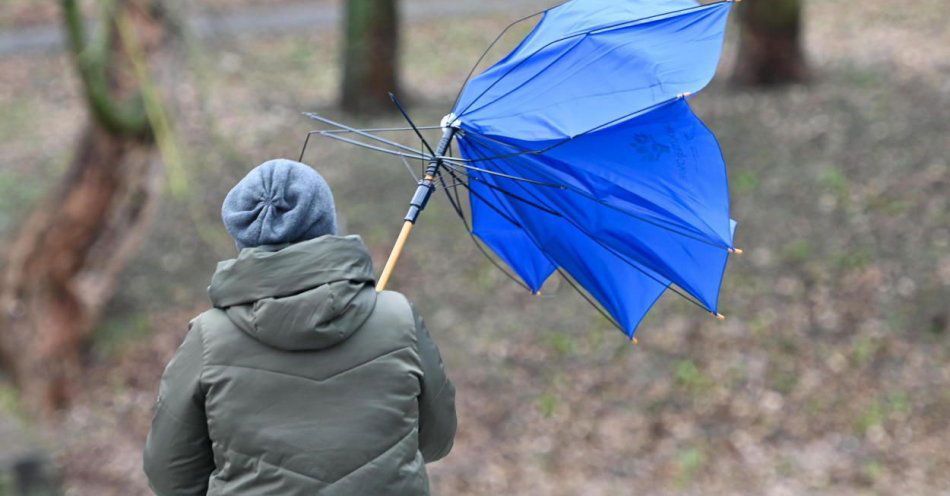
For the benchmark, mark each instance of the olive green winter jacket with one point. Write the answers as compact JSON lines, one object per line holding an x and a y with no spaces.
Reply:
{"x":302,"y":380}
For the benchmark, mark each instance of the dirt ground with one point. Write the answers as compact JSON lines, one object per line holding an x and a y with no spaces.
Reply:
{"x":831,"y":374}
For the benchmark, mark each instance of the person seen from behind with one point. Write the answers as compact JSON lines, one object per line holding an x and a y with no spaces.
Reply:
{"x":302,"y":379}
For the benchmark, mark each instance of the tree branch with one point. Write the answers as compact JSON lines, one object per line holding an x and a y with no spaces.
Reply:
{"x":124,"y":118}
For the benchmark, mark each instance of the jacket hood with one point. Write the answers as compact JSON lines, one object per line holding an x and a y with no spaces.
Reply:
{"x":304,"y":296}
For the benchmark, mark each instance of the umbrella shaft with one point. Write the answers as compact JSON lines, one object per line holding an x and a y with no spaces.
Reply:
{"x":427,"y":185}
{"x":416,"y":206}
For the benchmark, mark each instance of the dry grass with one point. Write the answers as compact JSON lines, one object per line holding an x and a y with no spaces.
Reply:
{"x":830,"y":376}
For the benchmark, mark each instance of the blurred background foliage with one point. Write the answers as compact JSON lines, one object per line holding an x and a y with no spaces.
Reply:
{"x":830,"y":375}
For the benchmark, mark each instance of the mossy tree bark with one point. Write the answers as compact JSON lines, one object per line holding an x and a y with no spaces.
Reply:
{"x":62,"y":267}
{"x":370,"y":55}
{"x":770,"y":47}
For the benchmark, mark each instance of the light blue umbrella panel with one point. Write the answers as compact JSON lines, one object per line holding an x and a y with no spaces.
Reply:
{"x":581,"y":155}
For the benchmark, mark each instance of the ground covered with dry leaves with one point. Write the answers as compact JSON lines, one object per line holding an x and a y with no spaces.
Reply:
{"x":830,"y":376}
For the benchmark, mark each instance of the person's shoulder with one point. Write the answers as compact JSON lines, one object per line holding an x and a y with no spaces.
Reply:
{"x":393,"y":301}
{"x":209,"y":319}
{"x":392,"y":308}
{"x":216,"y":330}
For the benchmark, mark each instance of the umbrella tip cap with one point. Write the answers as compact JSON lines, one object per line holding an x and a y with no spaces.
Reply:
{"x":720,"y":316}
{"x":736,"y":251}
{"x":451,"y":120}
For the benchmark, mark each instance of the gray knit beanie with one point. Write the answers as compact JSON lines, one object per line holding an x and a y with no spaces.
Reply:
{"x":279,"y":201}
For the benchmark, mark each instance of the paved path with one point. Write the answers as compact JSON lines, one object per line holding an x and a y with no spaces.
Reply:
{"x":291,"y":17}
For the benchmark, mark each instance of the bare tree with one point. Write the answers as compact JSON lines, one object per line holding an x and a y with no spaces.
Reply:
{"x":64,"y":262}
{"x":770,"y":47}
{"x":371,"y":48}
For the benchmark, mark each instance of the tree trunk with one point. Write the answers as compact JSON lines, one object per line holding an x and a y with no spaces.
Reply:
{"x":370,"y":55}
{"x":770,"y":50}
{"x":63,"y":264}
{"x":65,"y":260}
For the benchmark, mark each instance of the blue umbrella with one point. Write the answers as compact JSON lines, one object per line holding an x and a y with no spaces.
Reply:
{"x":580,"y":154}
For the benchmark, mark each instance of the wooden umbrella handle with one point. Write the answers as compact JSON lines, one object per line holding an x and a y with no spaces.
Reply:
{"x":418,"y":203}
{"x":394,"y":256}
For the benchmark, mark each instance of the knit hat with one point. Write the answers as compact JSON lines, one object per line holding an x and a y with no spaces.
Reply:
{"x":279,"y":201}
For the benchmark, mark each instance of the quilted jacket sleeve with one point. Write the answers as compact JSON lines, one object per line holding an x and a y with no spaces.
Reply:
{"x":437,"y":421}
{"x":178,"y":459}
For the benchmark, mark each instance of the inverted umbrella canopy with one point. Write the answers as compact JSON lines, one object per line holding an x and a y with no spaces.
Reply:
{"x":581,"y":154}
{"x":594,"y":100}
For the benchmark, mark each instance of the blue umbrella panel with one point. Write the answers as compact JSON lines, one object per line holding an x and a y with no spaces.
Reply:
{"x":580,"y":154}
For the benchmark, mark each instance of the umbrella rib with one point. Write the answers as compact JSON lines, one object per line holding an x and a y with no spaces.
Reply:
{"x":374,"y":147}
{"x":506,"y":217}
{"x":595,"y":129}
{"x":618,"y":25}
{"x":334,"y":134}
{"x":614,"y":207}
{"x":590,"y":300}
{"x":526,"y":81}
{"x":558,"y":268}
{"x":402,"y":156}
{"x":452,"y":201}
{"x":508,"y":193}
{"x":516,"y":197}
{"x":456,"y":165}
{"x":560,"y":271}
{"x":405,"y":115}
{"x":409,"y":168}
{"x":382,"y":129}
{"x":455,"y":190}
{"x":456,"y":205}
{"x":603,"y":203}
{"x":502,"y":214}
{"x":343,"y":127}
{"x":569,"y":139}
{"x":458,"y":162}
{"x":454,"y":186}
{"x":306,"y":141}
{"x":488,"y":203}
{"x":491,"y":45}
{"x":622,"y":257}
